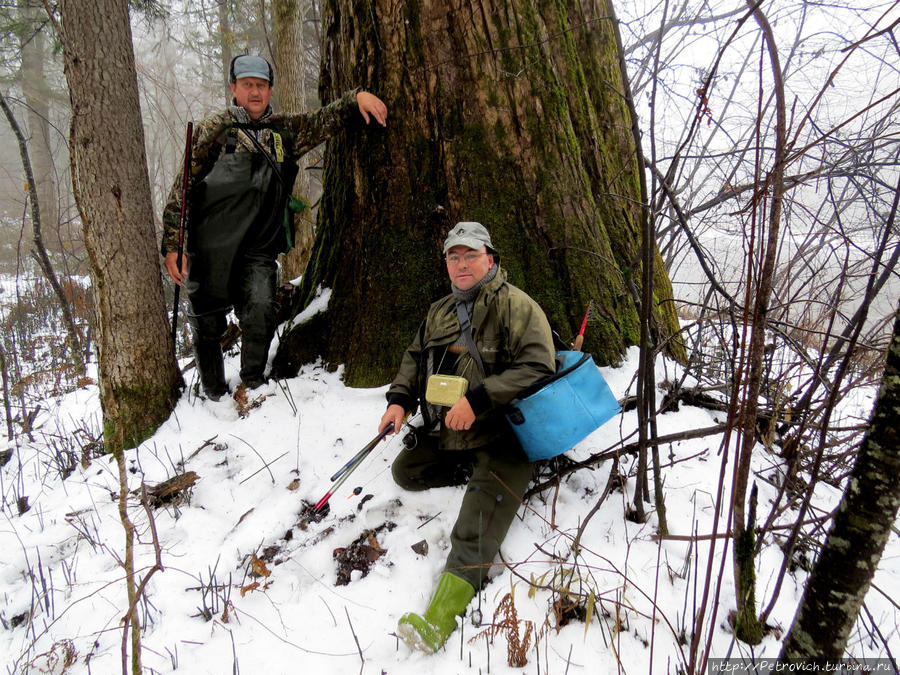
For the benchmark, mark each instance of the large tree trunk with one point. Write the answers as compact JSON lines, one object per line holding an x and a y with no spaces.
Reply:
{"x":843,"y":573}
{"x":139,"y":378}
{"x":509,"y":112}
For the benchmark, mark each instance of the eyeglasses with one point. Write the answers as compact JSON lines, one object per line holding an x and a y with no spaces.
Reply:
{"x":470,"y":257}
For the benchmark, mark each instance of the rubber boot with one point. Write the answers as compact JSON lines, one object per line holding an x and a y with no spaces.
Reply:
{"x":428,"y":633}
{"x":255,"y":309}
{"x":253,"y":361}
{"x":211,"y":366}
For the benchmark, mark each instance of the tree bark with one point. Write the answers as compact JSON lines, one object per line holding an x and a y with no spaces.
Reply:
{"x":139,"y":378}
{"x":509,"y":112}
{"x":291,"y":91}
{"x":227,"y":43}
{"x":747,"y":625}
{"x":843,"y":573}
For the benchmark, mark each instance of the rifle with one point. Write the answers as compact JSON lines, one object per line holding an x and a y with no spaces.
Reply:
{"x":185,"y":184}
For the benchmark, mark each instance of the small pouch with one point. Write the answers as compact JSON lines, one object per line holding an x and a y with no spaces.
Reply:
{"x":445,"y":389}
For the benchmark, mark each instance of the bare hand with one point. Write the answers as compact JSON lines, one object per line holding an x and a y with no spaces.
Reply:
{"x":171,"y":263}
{"x":461,"y":416}
{"x":369,"y":104}
{"x":395,"y":413}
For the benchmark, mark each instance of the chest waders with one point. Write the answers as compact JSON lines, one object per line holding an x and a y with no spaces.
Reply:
{"x":235,"y":235}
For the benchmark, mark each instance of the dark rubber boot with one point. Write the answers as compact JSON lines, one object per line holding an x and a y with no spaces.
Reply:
{"x":211,"y":366}
{"x":256,"y":310}
{"x":208,"y":331}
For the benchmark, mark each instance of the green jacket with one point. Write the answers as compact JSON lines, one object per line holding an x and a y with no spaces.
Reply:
{"x":516,"y":345}
{"x":298,"y":133}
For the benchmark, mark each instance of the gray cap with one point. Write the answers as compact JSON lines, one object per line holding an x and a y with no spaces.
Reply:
{"x":247,"y":65}
{"x":471,"y":234}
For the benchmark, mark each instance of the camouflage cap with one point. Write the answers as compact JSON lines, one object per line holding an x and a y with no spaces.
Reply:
{"x":470,"y":234}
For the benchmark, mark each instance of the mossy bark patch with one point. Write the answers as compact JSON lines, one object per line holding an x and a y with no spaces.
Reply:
{"x":511,"y":113}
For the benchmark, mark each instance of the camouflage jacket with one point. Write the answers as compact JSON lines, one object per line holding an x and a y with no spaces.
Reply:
{"x":294,"y":134}
{"x":514,"y":339}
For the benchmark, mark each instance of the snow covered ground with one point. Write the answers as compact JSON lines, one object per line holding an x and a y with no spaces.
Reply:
{"x":213,"y":609}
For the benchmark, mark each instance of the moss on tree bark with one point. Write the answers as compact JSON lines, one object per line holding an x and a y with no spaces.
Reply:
{"x":508,"y":112}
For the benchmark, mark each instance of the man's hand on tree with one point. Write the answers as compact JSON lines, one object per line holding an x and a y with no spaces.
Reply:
{"x":370,"y":104}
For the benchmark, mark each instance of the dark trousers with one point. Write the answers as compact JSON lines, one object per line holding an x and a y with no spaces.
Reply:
{"x":488,"y":507}
{"x":253,"y":294}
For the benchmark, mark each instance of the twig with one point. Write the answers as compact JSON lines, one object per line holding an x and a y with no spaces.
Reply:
{"x":629,"y":449}
{"x":613,"y":475}
{"x":288,"y":395}
{"x":356,"y":640}
{"x":429,"y":520}
{"x":265,"y":466}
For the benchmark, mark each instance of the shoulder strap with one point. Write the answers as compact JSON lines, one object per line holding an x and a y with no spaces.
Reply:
{"x":248,"y":130}
{"x":230,"y":141}
{"x":465,"y":327}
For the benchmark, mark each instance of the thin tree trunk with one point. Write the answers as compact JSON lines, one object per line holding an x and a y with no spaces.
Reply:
{"x":40,"y":251}
{"x":227,"y":42}
{"x":33,"y":80}
{"x":7,"y":404}
{"x":132,"y":625}
{"x":291,"y":90}
{"x":843,"y":573}
{"x":747,"y":624}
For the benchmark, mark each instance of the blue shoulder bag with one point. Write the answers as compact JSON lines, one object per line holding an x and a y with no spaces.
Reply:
{"x":557,"y":412}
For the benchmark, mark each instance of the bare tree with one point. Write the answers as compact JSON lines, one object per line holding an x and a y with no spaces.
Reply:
{"x":782,"y":220}
{"x":33,"y":81}
{"x":40,"y":251}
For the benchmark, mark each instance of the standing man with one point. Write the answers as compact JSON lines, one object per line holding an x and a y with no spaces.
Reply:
{"x":468,"y":439}
{"x":243,"y":168}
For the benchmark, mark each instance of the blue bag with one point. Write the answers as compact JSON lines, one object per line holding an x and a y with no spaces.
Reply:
{"x":556,"y":413}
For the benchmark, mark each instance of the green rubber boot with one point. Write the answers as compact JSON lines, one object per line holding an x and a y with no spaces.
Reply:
{"x":429,"y":633}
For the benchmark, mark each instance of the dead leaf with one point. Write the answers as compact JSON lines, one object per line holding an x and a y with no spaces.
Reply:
{"x":258,"y":567}
{"x":294,"y":484}
{"x":373,"y":542}
{"x":249,"y":587}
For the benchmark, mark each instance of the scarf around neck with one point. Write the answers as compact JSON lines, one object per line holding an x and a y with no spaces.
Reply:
{"x":467,"y":297}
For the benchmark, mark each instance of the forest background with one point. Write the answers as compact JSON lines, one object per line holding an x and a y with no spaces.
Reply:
{"x":707,"y":113}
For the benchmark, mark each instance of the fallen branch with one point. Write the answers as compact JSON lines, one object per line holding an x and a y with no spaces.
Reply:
{"x":615,"y":453}
{"x":165,"y":492}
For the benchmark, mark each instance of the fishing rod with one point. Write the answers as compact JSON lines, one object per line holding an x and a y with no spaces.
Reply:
{"x":185,"y":190}
{"x":344,"y":472}
{"x":579,"y":339}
